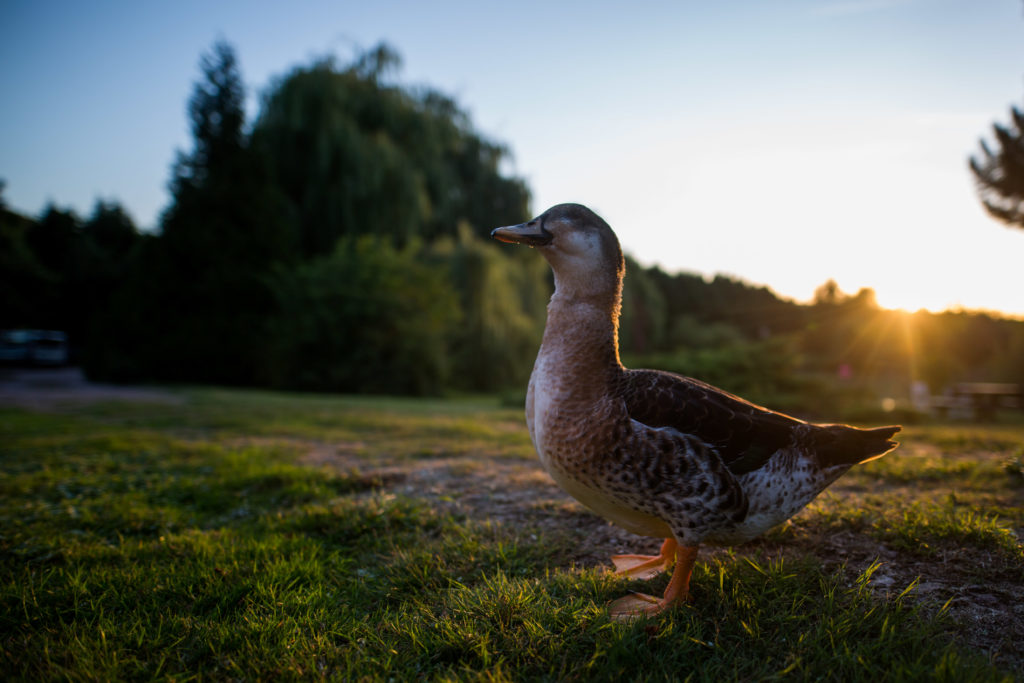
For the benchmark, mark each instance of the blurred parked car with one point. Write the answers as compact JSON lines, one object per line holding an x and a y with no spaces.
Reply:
{"x":33,"y":347}
{"x":14,"y":346}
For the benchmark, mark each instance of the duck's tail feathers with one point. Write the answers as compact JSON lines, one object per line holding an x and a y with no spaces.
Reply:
{"x":844,"y":445}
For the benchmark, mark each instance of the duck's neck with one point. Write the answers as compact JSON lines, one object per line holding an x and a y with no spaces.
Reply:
{"x":581,"y":340}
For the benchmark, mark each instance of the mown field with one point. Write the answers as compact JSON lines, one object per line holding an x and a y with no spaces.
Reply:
{"x":250,"y":535}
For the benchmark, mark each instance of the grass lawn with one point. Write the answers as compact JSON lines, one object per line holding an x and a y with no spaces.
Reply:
{"x":254,"y":535}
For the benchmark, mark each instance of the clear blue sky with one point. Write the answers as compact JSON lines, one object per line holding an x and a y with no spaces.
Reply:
{"x":784,"y":142}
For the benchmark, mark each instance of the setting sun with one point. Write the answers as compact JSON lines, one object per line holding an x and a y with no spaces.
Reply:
{"x":791,"y":205}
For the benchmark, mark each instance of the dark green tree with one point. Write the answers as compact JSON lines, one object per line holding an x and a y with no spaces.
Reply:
{"x":107,"y":245}
{"x":27,"y":288}
{"x":110,"y":233}
{"x":642,"y":328}
{"x":999,"y":173}
{"x":217,"y":112}
{"x":54,"y":239}
{"x":224,"y":211}
{"x":223,"y":231}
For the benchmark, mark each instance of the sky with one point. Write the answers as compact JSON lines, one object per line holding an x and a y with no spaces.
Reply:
{"x":784,"y":142}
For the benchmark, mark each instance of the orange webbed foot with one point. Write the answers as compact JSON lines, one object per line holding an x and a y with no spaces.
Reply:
{"x":645,"y":566}
{"x":634,"y":606}
{"x":637,"y":605}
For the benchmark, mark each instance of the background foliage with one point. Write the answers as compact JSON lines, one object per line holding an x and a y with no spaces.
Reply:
{"x":339,"y":242}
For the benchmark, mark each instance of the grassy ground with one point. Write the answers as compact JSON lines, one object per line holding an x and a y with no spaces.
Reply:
{"x":256,"y":535}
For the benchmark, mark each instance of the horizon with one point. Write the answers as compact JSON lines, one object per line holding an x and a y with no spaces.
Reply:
{"x":743,"y":141}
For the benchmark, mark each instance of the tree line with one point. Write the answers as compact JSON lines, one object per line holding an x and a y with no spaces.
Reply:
{"x":332,"y":243}
{"x":339,"y":242}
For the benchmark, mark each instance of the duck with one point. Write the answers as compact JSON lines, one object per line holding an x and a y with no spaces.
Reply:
{"x":656,"y":453}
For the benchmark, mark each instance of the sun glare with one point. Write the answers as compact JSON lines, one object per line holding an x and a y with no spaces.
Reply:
{"x":791,"y":207}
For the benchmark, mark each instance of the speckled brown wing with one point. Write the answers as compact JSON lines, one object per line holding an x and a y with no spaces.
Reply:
{"x":744,"y":435}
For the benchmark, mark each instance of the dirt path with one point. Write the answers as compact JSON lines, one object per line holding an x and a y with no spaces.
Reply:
{"x":48,"y":388}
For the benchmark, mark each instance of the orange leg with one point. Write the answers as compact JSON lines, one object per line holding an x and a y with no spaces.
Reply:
{"x":646,"y":566}
{"x":637,"y":604}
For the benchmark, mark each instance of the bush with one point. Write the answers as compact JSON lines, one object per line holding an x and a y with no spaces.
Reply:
{"x":502,"y":293}
{"x":370,"y":317}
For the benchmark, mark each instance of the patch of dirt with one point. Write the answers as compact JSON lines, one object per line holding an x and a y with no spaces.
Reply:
{"x":984,"y":596}
{"x":514,"y":493}
{"x":520,"y":496}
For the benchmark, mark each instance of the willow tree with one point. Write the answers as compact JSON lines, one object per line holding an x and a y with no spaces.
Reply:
{"x":999,"y":172}
{"x":354,"y":153}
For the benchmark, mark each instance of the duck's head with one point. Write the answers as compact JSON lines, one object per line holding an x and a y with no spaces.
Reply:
{"x":583,"y":251}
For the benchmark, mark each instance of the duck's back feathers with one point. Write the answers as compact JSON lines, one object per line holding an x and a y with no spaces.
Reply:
{"x":743,"y":434}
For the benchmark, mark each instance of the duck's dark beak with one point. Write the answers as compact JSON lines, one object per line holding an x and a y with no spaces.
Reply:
{"x":532,"y":234}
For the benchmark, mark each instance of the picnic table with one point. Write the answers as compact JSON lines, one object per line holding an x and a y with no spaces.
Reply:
{"x":977,"y":400}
